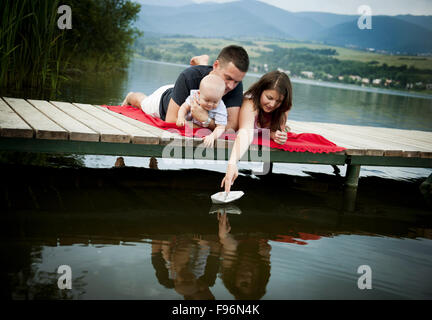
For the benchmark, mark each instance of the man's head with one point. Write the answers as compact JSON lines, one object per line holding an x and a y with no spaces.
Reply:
{"x":231,"y":65}
{"x":212,"y":88}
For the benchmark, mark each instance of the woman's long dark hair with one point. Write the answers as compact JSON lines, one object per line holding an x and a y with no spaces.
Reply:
{"x":280,"y":82}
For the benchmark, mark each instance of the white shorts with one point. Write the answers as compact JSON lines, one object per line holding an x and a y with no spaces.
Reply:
{"x":150,"y":104}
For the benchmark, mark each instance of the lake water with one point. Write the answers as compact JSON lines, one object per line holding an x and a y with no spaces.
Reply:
{"x":138,"y":233}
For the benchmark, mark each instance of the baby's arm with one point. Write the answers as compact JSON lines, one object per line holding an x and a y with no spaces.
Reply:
{"x":183,"y":111}
{"x":217,"y":132}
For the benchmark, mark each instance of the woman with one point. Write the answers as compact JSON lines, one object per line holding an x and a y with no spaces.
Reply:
{"x":265,"y":106}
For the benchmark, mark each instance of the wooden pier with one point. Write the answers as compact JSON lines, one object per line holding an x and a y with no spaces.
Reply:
{"x":76,"y":128}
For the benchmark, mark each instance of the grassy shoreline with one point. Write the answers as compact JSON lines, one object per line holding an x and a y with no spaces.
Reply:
{"x":255,"y":46}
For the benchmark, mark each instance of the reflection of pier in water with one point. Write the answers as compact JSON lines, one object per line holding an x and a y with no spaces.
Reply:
{"x":132,"y":204}
{"x":192,"y":241}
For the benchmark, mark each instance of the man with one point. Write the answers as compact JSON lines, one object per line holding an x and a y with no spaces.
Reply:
{"x":231,"y":65}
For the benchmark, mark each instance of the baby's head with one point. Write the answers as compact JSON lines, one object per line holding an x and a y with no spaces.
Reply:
{"x":211,"y":90}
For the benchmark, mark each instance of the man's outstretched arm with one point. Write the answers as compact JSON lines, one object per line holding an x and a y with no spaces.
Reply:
{"x":172,"y":112}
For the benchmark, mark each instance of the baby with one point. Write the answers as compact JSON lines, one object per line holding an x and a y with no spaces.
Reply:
{"x":209,"y":97}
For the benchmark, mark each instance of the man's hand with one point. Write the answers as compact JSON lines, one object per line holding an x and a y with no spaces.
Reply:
{"x":198,"y":113}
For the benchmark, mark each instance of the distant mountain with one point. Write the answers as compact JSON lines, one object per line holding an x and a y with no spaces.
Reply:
{"x":207,"y":20}
{"x":387,"y":33}
{"x":422,"y":21}
{"x":166,"y":3}
{"x":327,"y":20}
{"x":250,"y":18}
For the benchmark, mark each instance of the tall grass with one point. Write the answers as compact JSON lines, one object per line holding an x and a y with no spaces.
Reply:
{"x":32,"y":47}
{"x":35,"y":55}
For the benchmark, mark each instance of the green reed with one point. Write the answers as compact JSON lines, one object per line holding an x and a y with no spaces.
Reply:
{"x":32,"y":47}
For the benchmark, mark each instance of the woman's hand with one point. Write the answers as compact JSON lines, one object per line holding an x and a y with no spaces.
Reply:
{"x":279,"y":137}
{"x":224,"y":225}
{"x":230,"y":175}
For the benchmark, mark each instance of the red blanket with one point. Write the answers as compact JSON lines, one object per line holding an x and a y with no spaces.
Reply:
{"x":303,"y":142}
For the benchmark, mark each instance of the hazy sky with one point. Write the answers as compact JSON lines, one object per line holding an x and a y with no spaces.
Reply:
{"x":386,"y":7}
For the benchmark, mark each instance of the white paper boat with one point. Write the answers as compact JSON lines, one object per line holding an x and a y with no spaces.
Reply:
{"x":222,"y":197}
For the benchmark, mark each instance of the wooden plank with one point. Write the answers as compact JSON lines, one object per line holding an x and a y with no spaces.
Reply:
{"x":407,"y":139}
{"x":414,"y":138}
{"x":340,"y":140}
{"x":137,"y":135}
{"x":143,"y":126}
{"x":416,"y":135}
{"x":367,"y":141}
{"x":374,"y":152}
{"x":166,"y":135}
{"x":11,"y":125}
{"x":44,"y":127}
{"x":107,"y":133}
{"x":77,"y":130}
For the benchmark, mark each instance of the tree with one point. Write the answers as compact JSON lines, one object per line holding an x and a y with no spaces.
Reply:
{"x":102,"y":32}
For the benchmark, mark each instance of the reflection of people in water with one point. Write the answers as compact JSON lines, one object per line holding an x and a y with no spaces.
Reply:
{"x":245,"y":266}
{"x":187,"y":264}
{"x":159,"y":259}
{"x":190,"y":264}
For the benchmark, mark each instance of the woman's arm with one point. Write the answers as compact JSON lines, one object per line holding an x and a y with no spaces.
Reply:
{"x":284,"y":126}
{"x":281,"y":136}
{"x":242,"y":142}
{"x":245,"y":133}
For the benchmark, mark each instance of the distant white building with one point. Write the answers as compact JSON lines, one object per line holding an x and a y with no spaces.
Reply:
{"x":340,"y":78}
{"x":308,"y":74}
{"x":365,"y":81}
{"x":355,"y":78}
{"x":376,"y":81}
